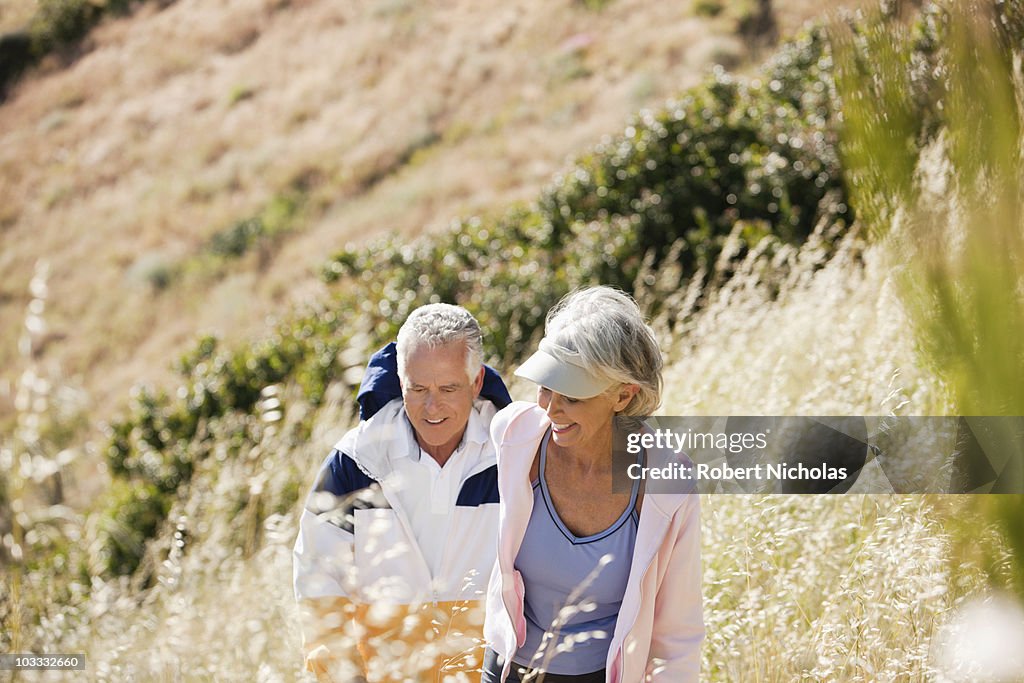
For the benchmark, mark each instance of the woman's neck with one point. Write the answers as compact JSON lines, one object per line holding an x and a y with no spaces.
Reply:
{"x":590,"y":457}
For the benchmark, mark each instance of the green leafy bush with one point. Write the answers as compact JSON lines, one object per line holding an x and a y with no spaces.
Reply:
{"x":133,"y":515}
{"x":756,"y":153}
{"x":277,"y":217}
{"x":60,"y":22}
{"x":707,"y":8}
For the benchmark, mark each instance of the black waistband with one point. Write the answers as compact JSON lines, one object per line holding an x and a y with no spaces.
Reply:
{"x":493,"y":664}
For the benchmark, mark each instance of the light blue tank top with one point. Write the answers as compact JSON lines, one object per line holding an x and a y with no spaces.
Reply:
{"x":555,"y":565}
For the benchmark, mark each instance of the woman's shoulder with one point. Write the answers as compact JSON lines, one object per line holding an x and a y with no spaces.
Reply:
{"x":672,"y":506}
{"x":518,"y":421}
{"x":670,"y":497}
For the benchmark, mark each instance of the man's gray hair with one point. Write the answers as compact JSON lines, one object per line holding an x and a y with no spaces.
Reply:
{"x":605,"y":326}
{"x":436,"y":325}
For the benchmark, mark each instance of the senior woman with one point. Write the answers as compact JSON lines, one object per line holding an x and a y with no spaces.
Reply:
{"x":589,"y":584}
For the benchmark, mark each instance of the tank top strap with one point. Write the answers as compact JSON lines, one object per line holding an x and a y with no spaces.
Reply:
{"x":629,"y":513}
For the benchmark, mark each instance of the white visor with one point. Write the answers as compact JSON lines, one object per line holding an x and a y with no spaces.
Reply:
{"x":561,"y":370}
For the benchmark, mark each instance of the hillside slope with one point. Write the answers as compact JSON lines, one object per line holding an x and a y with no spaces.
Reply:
{"x":133,"y":171}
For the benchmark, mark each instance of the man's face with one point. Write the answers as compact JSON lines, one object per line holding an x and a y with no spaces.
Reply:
{"x":438,"y":396}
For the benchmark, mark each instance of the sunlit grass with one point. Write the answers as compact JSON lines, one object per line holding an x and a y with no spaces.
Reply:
{"x":796,"y":587}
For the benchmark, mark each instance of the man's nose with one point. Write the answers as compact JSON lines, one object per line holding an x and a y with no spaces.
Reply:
{"x":431,"y":401}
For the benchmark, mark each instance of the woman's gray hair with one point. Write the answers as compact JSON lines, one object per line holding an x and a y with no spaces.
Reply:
{"x":436,"y":325}
{"x":605,"y":326}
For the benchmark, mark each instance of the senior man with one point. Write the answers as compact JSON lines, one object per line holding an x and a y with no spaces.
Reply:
{"x":397,"y":537}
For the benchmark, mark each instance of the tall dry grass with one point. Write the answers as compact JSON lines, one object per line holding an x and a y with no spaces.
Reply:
{"x":797,"y":332}
{"x":804,"y":587}
{"x":796,"y":588}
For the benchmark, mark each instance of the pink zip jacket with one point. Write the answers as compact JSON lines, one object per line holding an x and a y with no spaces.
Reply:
{"x":661,"y":625}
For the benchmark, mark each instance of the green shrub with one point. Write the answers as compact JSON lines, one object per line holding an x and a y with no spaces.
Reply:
{"x":55,"y":25}
{"x":730,"y":152}
{"x":277,"y":217}
{"x":236,"y":240}
{"x":58,"y":23}
{"x":707,"y":8}
{"x":133,"y":515}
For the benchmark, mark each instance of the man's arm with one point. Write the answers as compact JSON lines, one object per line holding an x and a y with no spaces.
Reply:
{"x":323,"y":563}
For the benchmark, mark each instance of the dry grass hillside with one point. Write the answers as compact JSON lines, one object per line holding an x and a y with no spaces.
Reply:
{"x":123,"y":165}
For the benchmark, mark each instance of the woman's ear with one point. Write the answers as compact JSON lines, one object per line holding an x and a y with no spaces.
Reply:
{"x":625,"y":395}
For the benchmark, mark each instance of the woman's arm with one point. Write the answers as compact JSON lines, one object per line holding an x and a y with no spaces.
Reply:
{"x":678,"y":609}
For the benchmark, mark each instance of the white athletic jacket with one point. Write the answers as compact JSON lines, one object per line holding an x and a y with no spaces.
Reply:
{"x":370,"y":603}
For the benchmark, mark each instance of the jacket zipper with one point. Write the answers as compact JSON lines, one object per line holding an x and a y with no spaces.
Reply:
{"x":407,"y":529}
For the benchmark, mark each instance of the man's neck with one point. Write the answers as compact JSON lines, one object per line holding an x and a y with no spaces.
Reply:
{"x":443,"y":453}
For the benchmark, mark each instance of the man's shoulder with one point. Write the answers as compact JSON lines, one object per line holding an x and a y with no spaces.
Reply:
{"x":369,"y":443}
{"x":342,"y":488}
{"x":342,"y":475}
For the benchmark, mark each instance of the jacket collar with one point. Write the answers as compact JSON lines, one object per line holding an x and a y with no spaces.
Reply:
{"x":388,"y":436}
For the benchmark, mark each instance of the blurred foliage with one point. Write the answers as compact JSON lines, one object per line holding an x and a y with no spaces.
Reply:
{"x":889,"y":80}
{"x":281,"y":214}
{"x":257,"y":233}
{"x":759,"y":152}
{"x":60,"y":23}
{"x":40,"y":535}
{"x":159,"y":443}
{"x":707,"y":8}
{"x":276,"y":217}
{"x":236,"y":240}
{"x":595,"y":5}
{"x":932,"y":142}
{"x":1007,"y":511}
{"x":16,"y":56}
{"x":934,"y":157}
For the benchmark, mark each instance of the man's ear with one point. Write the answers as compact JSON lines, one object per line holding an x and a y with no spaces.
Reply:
{"x":478,"y":384}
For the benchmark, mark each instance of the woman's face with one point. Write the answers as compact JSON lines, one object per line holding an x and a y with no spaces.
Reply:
{"x":581,"y":421}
